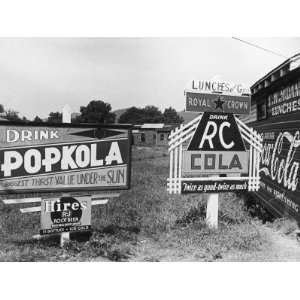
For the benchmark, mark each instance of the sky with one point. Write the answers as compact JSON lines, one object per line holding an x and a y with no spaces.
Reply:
{"x":41,"y":75}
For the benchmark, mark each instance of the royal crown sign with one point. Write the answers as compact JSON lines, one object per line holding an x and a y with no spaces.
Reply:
{"x":63,"y":157}
{"x":201,"y":102}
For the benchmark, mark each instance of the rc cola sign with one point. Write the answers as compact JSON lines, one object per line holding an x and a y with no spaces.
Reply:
{"x":216,"y":147}
{"x":215,"y":143}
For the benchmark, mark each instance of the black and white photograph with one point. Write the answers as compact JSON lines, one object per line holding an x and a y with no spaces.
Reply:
{"x":149,"y":151}
{"x":111,"y":150}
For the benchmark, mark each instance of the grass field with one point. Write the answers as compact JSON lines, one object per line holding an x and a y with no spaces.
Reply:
{"x":143,"y":224}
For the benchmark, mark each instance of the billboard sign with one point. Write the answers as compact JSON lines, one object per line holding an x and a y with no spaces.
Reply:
{"x":216,"y":148}
{"x":63,"y":157}
{"x":216,"y":145}
{"x":65,"y":214}
{"x":280,"y":168}
{"x":285,"y":100}
{"x":208,"y":102}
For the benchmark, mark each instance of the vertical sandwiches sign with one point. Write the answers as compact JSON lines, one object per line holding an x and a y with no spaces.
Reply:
{"x":63,"y":157}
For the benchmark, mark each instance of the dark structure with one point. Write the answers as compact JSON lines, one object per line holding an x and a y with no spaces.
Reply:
{"x":151,"y":134}
{"x":275,"y":113}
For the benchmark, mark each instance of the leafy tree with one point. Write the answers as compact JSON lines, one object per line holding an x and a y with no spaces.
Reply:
{"x":55,"y":117}
{"x":76,"y":120}
{"x":24,"y":119}
{"x":132,"y":115}
{"x":149,"y":114}
{"x":96,"y":111}
{"x":12,"y":115}
{"x":171,"y":116}
{"x":37,"y":119}
{"x":153,"y":115}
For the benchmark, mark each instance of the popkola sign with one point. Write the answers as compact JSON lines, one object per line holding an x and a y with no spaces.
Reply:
{"x":63,"y":157}
{"x":48,"y":159}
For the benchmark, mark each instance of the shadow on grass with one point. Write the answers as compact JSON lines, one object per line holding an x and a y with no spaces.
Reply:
{"x":114,"y":229}
{"x":114,"y":243}
{"x":54,"y":240}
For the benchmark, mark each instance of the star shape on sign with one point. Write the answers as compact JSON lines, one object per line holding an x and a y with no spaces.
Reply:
{"x":219,"y":103}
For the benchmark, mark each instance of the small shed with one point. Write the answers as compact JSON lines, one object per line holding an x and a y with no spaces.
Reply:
{"x":152,"y":134}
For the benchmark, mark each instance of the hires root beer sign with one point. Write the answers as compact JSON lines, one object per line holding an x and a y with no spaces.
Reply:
{"x":63,"y":157}
{"x":65,"y":214}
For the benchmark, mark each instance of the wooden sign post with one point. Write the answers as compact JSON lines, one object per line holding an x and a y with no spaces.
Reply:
{"x":66,"y":118}
{"x":66,"y":114}
{"x":212,"y":210}
{"x":216,"y":147}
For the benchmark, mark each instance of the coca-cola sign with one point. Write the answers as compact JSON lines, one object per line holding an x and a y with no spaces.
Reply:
{"x":278,"y":158}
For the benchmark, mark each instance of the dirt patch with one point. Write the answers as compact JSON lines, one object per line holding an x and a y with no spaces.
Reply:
{"x":278,"y":247}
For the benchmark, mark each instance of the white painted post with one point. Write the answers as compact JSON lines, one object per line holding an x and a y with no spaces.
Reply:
{"x":212,"y":210}
{"x":66,"y":114}
{"x":64,"y":237}
{"x":66,"y":118}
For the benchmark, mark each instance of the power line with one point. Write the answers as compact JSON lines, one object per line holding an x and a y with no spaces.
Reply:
{"x":259,"y":47}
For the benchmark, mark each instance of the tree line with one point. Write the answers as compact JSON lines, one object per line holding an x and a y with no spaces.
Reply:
{"x":98,"y":111}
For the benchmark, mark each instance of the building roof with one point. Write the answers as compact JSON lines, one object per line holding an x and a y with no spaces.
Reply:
{"x":159,"y":127}
{"x":281,"y":70}
{"x":152,"y":125}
